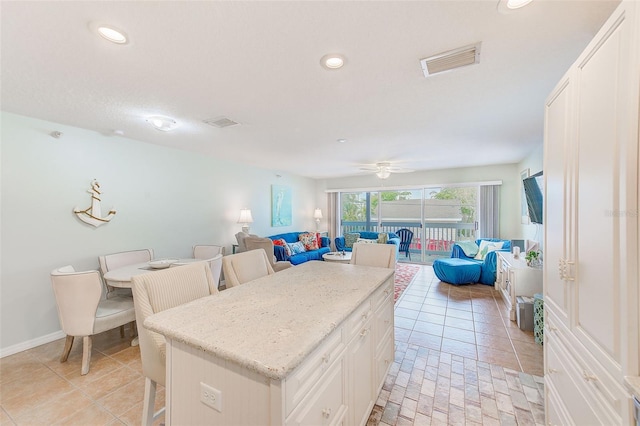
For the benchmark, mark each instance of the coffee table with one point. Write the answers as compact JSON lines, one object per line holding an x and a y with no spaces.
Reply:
{"x":337,"y":256}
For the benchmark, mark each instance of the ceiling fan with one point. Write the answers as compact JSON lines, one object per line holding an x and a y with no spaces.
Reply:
{"x":384,"y":169}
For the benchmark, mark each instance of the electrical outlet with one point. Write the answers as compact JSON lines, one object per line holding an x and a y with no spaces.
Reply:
{"x":211,"y":397}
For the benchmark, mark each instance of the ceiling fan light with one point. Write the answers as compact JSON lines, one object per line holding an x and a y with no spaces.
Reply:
{"x":383,"y":174}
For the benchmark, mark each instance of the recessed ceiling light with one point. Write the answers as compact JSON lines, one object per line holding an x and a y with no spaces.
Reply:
{"x":332,"y":61}
{"x":112,"y":34}
{"x":342,"y":140}
{"x":164,"y":124}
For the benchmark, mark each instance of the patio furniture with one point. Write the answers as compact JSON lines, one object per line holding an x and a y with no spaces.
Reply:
{"x":406,"y":236}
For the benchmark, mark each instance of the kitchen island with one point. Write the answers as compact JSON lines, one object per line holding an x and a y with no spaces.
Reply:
{"x":309,"y":345}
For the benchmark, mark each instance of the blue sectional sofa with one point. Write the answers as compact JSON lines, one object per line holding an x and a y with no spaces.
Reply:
{"x":391,"y":239}
{"x":296,"y":259}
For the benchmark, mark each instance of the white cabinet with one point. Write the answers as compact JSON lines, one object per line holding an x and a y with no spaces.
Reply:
{"x":336,"y":384}
{"x":514,"y":278}
{"x":591,"y":228}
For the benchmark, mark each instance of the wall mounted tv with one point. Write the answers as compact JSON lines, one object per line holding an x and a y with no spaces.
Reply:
{"x":533,"y":190}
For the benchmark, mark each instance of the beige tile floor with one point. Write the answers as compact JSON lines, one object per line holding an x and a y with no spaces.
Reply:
{"x":458,"y":361}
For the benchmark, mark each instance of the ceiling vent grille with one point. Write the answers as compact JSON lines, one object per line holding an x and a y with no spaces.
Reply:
{"x":453,"y":59}
{"x":221,"y":122}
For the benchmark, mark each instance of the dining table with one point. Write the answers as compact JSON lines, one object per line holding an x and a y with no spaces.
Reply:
{"x":121,"y":277}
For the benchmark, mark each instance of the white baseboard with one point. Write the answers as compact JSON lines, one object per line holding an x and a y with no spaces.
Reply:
{"x":31,"y":343}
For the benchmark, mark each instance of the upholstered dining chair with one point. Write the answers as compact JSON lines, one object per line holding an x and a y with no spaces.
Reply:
{"x":82,"y":310}
{"x":243,"y":267}
{"x":266,"y":244}
{"x":406,"y":235}
{"x":207,"y":251}
{"x":381,"y":255}
{"x":118,"y":260}
{"x":155,"y":292}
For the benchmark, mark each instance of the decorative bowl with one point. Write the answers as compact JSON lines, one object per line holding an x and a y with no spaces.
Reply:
{"x":162,"y":263}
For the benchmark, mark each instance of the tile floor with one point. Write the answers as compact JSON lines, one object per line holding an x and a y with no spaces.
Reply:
{"x":458,"y":361}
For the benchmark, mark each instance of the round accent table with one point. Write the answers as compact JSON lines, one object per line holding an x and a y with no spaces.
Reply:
{"x":336,"y":256}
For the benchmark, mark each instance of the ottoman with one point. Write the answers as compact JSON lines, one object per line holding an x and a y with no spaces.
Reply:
{"x":457,"y":271}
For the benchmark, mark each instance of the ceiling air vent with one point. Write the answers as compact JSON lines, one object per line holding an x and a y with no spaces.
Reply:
{"x":448,"y":61}
{"x":221,"y":122}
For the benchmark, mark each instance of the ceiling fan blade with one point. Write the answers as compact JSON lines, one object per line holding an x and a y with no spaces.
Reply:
{"x":400,"y":170}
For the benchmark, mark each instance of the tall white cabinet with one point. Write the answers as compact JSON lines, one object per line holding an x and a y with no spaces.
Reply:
{"x":591,"y":229}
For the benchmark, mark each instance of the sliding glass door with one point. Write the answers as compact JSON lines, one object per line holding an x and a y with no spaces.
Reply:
{"x":437,"y":217}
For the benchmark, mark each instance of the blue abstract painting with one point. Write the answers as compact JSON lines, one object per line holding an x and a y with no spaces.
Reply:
{"x":280,"y":205}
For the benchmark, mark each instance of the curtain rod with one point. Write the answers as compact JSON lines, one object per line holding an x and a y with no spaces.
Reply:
{"x":408,"y":187}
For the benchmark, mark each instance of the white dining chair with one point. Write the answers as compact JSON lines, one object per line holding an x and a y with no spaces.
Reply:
{"x":118,"y":260}
{"x":82,"y":310}
{"x":155,"y":292}
{"x":243,"y":267}
{"x":381,"y":255}
{"x":207,"y":251}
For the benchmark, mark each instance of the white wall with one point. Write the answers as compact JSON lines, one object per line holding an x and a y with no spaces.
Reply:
{"x":165,"y":199}
{"x":510,"y":227}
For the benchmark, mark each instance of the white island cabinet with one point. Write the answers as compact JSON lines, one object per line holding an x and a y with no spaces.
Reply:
{"x":310,"y":345}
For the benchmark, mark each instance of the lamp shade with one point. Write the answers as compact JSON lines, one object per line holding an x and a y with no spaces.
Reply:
{"x":245,"y":216}
{"x":317,"y":214}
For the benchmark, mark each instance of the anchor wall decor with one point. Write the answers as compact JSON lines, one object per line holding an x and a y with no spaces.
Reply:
{"x":92,"y":215}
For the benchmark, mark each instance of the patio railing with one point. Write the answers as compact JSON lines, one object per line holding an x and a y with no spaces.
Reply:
{"x":437,"y":237}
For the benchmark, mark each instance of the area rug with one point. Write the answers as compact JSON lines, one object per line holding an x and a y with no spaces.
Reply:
{"x":405,"y":272}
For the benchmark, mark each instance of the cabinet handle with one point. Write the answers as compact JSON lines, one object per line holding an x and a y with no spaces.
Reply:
{"x":386,"y":361}
{"x":588,"y":376}
{"x":569,"y":270}
{"x":551,"y":370}
{"x":387,"y":291}
{"x":326,"y":358}
{"x":364,"y":332}
{"x":326,"y":413}
{"x":365,"y":315}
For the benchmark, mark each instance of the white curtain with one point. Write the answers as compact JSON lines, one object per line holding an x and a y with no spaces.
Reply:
{"x":489,"y":217}
{"x":333,"y":216}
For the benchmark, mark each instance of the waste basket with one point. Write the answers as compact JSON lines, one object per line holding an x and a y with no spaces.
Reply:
{"x":524,"y":312}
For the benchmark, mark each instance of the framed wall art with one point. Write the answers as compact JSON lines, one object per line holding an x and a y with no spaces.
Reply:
{"x":280,"y":205}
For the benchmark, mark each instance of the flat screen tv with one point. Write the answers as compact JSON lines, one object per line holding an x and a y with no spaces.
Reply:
{"x":533,"y":190}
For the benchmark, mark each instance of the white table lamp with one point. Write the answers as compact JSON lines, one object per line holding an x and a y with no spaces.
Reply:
{"x":245,"y":218}
{"x":317,"y":215}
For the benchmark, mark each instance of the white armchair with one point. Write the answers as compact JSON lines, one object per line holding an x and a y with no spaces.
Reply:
{"x":83,"y":312}
{"x":266,"y":244}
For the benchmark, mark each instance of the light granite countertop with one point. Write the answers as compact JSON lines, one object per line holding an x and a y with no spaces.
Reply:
{"x":271,"y":324}
{"x":633,"y":384}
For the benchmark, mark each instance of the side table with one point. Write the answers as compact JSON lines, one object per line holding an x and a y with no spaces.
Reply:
{"x":515,"y":278}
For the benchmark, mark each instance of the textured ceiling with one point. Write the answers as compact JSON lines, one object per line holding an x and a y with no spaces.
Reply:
{"x":258,"y":63}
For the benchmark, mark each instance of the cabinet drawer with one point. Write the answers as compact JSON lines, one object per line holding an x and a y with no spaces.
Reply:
{"x":303,"y":378}
{"x":561,"y":377}
{"x":382,"y":294}
{"x":583,"y":394}
{"x":324,"y":405}
{"x":384,"y":359}
{"x":383,"y":322}
{"x":357,"y":321}
{"x":600,"y":386}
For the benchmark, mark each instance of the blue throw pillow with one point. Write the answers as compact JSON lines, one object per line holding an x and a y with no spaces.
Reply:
{"x":296,"y":248}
